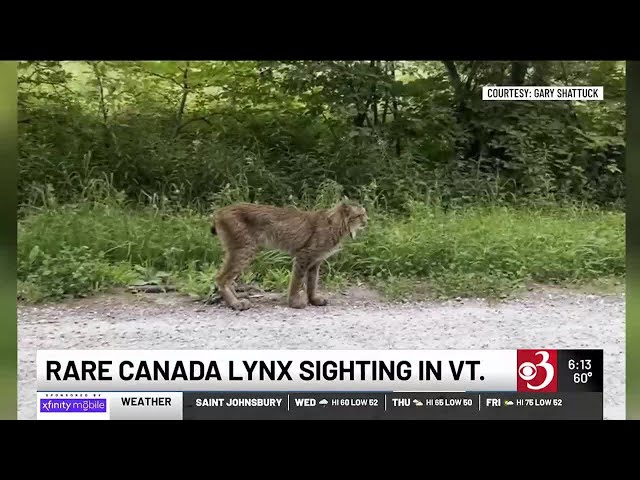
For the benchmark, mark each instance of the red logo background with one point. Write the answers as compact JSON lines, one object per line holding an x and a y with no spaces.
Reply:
{"x":537,"y":371}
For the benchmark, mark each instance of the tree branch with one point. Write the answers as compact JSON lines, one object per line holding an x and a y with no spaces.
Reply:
{"x":183,"y":100}
{"x":103,"y":105}
{"x":164,"y":77}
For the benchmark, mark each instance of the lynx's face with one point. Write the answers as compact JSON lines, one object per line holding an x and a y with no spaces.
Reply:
{"x":357,"y":220}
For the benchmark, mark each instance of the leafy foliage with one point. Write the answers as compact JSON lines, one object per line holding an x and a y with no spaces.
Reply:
{"x":209,"y":132}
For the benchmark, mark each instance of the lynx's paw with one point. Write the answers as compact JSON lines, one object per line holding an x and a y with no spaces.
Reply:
{"x":297,"y":302}
{"x":242,"y":304}
{"x":318,"y":301}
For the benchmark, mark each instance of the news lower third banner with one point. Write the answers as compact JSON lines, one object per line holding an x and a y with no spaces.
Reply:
{"x":312,"y":384}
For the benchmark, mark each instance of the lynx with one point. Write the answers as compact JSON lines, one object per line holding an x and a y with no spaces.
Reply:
{"x":310,"y":237}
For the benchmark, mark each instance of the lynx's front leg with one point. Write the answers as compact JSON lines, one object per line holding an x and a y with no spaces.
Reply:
{"x":313,"y":276}
{"x":297,"y":297}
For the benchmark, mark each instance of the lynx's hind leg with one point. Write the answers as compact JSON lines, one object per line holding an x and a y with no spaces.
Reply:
{"x":239,"y":253}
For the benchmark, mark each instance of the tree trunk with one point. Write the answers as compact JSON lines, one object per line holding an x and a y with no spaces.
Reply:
{"x":374,"y":94}
{"x":109,"y":136}
{"x":396,"y":113}
{"x":518,"y":72}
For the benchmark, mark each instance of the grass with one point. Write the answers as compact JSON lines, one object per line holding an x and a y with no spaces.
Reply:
{"x":489,"y":251}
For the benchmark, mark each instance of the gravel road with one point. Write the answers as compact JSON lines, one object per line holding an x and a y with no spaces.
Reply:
{"x":547,"y":318}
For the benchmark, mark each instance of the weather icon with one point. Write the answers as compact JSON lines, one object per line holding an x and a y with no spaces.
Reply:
{"x":323,"y":402}
{"x":418,"y":403}
{"x":508,"y":402}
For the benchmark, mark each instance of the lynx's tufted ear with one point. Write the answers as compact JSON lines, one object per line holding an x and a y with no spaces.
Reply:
{"x":341,"y":209}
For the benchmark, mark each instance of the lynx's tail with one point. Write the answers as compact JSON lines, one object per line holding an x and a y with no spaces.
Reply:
{"x":213,"y":230}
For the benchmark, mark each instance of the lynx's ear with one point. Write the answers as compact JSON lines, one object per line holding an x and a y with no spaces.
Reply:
{"x":346,"y":211}
{"x":340,"y":207}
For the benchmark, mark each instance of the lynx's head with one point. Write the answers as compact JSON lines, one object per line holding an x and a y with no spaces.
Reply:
{"x":352,"y":217}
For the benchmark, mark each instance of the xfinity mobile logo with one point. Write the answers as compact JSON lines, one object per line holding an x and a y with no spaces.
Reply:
{"x":50,"y":405}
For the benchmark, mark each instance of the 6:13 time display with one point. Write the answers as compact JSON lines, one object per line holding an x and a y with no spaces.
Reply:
{"x":583,"y":364}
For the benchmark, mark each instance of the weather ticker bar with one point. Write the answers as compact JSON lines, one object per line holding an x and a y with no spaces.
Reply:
{"x":279,"y":405}
{"x":392,"y":406}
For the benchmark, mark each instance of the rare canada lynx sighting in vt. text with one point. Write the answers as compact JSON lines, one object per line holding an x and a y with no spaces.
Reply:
{"x":308,"y":236}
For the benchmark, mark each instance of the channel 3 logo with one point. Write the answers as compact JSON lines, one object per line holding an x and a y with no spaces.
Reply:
{"x":537,"y":371}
